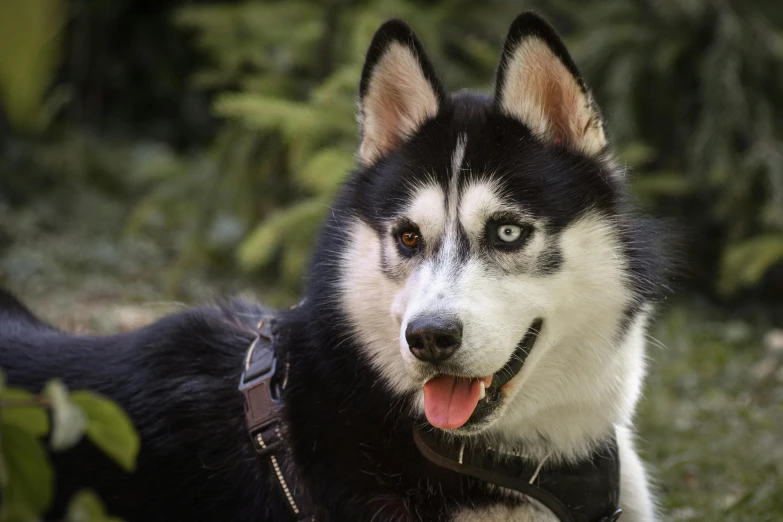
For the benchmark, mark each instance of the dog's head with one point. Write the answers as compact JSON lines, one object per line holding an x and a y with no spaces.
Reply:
{"x":485,"y":260}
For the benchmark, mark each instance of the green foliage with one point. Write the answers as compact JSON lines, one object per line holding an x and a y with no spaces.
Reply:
{"x":68,"y":420}
{"x":745,"y":262}
{"x":27,"y":415}
{"x":295,"y":91}
{"x":26,"y":474}
{"x":109,"y":428}
{"x":28,"y":59}
{"x":85,"y":506}
{"x":259,"y":248}
{"x":28,"y":479}
{"x":697,"y":87}
{"x":691,"y":90}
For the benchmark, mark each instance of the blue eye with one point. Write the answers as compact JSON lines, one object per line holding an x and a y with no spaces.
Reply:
{"x":509,"y":233}
{"x":508,"y":236}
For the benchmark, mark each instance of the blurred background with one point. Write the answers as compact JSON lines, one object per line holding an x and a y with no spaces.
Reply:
{"x":155,"y":154}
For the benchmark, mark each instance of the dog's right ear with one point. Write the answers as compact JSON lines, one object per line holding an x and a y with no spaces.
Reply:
{"x":399,"y":91}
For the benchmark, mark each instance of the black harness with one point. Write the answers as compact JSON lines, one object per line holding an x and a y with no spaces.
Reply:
{"x":584,"y":492}
{"x":262,"y":383}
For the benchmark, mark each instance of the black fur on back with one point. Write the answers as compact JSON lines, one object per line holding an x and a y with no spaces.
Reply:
{"x":177,"y":379}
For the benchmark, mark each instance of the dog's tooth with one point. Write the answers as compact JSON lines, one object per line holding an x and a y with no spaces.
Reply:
{"x":483,"y":392}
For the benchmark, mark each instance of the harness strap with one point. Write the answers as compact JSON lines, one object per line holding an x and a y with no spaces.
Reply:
{"x":585,"y":492}
{"x":262,"y":388}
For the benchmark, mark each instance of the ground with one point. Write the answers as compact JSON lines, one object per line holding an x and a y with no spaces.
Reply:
{"x":710,"y":424}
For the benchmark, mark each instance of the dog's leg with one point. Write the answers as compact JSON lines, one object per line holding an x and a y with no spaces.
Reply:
{"x":636,"y":500}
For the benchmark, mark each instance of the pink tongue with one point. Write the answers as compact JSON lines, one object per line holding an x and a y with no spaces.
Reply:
{"x":449,"y":401}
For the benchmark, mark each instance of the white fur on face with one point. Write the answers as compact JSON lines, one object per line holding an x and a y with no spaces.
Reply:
{"x":427,"y":211}
{"x":457,"y":159}
{"x":577,"y":379}
{"x":371,"y":301}
{"x":477,"y":204}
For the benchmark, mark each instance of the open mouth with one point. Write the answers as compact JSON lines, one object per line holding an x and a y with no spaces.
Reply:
{"x":452,"y":402}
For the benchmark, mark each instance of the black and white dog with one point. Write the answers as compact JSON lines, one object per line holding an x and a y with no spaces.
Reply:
{"x":481,"y":279}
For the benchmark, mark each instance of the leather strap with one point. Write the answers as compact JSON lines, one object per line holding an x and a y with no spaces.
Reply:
{"x":584,"y":492}
{"x":262,"y":384}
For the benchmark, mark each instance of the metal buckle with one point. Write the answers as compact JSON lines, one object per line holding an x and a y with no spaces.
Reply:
{"x":262,"y":409}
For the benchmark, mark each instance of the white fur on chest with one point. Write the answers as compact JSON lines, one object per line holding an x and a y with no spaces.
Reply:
{"x":525,"y":513}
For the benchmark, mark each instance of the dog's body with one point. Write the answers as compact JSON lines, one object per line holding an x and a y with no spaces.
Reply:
{"x":480,"y":269}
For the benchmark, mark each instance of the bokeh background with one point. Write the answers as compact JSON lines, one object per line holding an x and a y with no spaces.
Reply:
{"x":155,"y":154}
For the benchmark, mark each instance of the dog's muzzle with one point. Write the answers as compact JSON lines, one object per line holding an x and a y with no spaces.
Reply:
{"x":453,"y":400}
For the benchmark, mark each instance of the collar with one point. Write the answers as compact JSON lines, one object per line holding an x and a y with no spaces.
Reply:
{"x":585,"y":492}
{"x":263,"y":381}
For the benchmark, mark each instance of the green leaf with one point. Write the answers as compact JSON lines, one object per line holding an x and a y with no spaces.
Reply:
{"x":32,"y":30}
{"x":635,"y":153}
{"x":266,"y":112}
{"x":32,"y":419}
{"x":30,"y":478}
{"x":259,"y":248}
{"x":745,"y":263}
{"x":17,"y":513}
{"x":325,"y":171}
{"x":3,"y":475}
{"x":662,"y":183}
{"x":68,"y":421}
{"x":2,"y":380}
{"x":85,"y":506}
{"x":109,"y":428}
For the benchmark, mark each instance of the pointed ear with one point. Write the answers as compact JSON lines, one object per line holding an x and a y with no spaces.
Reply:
{"x":539,"y":84}
{"x":399,"y":91}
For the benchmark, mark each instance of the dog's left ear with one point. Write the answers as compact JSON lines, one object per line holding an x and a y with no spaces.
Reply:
{"x":539,"y":84}
{"x":399,"y":91}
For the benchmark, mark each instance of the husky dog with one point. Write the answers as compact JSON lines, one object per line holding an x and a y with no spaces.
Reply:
{"x":480,"y":276}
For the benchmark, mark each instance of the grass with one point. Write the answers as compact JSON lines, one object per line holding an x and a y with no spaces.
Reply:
{"x":711,"y":423}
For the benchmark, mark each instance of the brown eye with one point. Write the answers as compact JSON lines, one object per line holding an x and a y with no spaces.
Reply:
{"x":410,"y":239}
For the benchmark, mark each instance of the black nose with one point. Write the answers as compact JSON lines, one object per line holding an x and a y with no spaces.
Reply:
{"x":432,"y":338}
